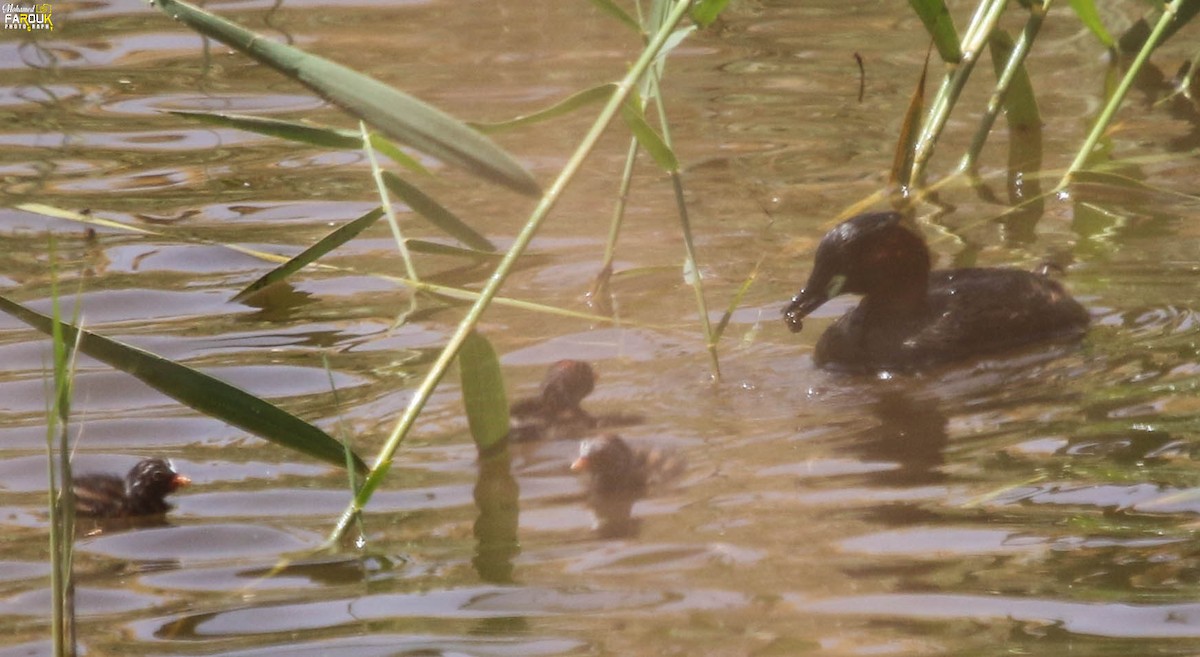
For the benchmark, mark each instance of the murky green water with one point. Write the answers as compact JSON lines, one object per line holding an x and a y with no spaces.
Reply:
{"x":1041,"y":503}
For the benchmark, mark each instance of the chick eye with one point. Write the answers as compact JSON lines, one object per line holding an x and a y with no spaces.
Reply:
{"x":835,"y":285}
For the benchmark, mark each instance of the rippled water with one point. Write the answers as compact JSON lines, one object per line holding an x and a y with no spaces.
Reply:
{"x":1043,"y":503}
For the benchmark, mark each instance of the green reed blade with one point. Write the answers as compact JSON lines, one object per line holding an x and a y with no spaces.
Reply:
{"x":609,"y":7}
{"x":436,"y":213}
{"x":736,"y":300}
{"x":677,"y":37}
{"x":483,"y":392}
{"x":437,"y":248}
{"x":705,"y":12}
{"x":648,"y":138}
{"x":304,"y":133}
{"x":1110,"y":108}
{"x":310,"y":255}
{"x":393,"y":112}
{"x":940,"y":25}
{"x":443,"y":291}
{"x":197,"y":390}
{"x":567,"y":105}
{"x":906,"y":143}
{"x":1086,"y":11}
{"x":1020,"y":105}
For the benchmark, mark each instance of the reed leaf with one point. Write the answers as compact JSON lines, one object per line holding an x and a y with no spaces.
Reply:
{"x":940,"y":25}
{"x":902,"y":161}
{"x":569,"y":104}
{"x":648,"y":138}
{"x":195,"y":389}
{"x":393,"y":112}
{"x":1162,"y":28}
{"x":436,"y":213}
{"x":483,"y":393}
{"x":1020,"y":105}
{"x":1013,"y":93}
{"x":974,"y":40}
{"x":612,"y":9}
{"x":677,"y":37}
{"x":705,"y":12}
{"x":304,"y":133}
{"x":444,"y":291}
{"x":61,"y":499}
{"x":735,"y":301}
{"x":79,"y":217}
{"x":1086,"y":11}
{"x":385,"y":202}
{"x":437,"y":248}
{"x":310,"y":255}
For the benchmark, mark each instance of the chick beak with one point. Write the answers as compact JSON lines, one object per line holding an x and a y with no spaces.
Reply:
{"x":179,"y":481}
{"x":580,"y":464}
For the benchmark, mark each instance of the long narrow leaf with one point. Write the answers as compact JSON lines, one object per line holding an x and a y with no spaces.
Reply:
{"x":1086,"y":11}
{"x":902,"y":161}
{"x":705,"y":12}
{"x":200,"y":391}
{"x":435,"y":248}
{"x":1013,"y":94}
{"x":1020,"y":105}
{"x":648,"y":138}
{"x":677,"y":37}
{"x":1165,"y":22}
{"x":983,"y":22}
{"x":444,"y":291}
{"x":410,"y":267}
{"x":483,"y":392}
{"x":566,"y":106}
{"x":938,"y":23}
{"x":436,"y":213}
{"x":736,"y":301}
{"x":609,"y":7}
{"x":311,"y":254}
{"x":304,"y":133}
{"x":395,"y":113}
{"x":86,"y":219}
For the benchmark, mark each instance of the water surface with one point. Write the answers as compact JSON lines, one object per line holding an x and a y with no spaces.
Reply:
{"x":1040,"y":502}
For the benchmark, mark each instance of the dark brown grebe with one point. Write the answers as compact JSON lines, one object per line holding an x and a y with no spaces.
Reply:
{"x":911,"y":318}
